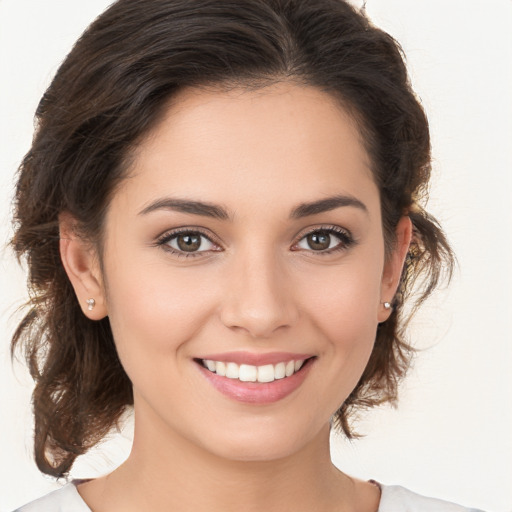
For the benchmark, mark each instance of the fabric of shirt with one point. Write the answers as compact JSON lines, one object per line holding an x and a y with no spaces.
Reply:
{"x":394,"y":498}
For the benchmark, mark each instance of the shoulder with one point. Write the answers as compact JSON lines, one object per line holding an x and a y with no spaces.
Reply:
{"x":66,"y":499}
{"x":395,"y":498}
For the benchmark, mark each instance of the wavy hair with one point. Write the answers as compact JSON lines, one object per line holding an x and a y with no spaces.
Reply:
{"x":110,"y":91}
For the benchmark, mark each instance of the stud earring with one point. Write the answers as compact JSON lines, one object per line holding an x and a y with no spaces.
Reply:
{"x":90,"y":304}
{"x":386,"y":305}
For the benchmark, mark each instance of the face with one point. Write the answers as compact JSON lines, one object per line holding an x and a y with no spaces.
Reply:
{"x":244,"y":269}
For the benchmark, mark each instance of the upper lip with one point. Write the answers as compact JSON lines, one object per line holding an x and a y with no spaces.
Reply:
{"x":255,"y":359}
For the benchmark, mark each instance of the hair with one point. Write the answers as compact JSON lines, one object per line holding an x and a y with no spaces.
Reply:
{"x":111,"y":90}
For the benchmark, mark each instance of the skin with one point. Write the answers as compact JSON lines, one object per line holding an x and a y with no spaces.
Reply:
{"x":257,"y":287}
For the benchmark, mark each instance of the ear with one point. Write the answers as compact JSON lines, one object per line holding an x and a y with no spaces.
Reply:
{"x":394,"y":265}
{"x":81,"y":263}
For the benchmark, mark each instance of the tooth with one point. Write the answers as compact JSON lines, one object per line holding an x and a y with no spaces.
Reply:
{"x":266,"y":373}
{"x":220,"y":368}
{"x":210,"y":365}
{"x":279,"y":371}
{"x":298,"y":365}
{"x":232,"y":371}
{"x":248,"y":373}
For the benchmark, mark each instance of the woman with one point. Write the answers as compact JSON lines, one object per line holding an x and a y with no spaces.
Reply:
{"x":222,"y":217}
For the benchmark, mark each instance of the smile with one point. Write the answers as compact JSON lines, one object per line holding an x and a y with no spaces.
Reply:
{"x":256,"y":378}
{"x":251,"y":373}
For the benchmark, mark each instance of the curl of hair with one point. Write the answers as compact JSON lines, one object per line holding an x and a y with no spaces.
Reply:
{"x":110,"y":91}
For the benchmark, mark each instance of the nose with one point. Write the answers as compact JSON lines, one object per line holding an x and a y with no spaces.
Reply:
{"x":258,"y":298}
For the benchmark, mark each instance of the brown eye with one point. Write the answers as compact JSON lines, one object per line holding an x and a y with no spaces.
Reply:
{"x":319,"y":240}
{"x":326,"y":240}
{"x":189,"y":242}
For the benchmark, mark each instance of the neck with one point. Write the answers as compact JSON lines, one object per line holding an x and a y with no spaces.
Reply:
{"x":166,"y":471}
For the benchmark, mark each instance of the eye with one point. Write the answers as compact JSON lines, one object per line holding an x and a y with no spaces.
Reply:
{"x":187,"y":243}
{"x":326,"y":240}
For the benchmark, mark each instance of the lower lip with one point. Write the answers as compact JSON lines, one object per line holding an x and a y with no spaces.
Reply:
{"x":256,"y":392}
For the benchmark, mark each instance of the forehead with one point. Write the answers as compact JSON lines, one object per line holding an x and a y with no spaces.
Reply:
{"x":283,"y":141}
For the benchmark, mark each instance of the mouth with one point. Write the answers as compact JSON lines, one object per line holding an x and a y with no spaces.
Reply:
{"x":255,"y":383}
{"x":251,"y":373}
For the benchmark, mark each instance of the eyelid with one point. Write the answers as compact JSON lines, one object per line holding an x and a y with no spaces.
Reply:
{"x":163,"y":240}
{"x":346,"y":237}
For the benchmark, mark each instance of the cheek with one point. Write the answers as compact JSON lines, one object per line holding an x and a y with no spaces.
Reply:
{"x":344,"y":301}
{"x":343,"y":306}
{"x":154,"y":312}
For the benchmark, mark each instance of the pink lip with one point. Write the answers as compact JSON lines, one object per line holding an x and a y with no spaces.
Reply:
{"x":256,"y":359}
{"x":256,"y":392}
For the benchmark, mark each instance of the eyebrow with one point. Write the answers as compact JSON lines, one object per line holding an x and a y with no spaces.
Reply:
{"x":187,"y":206}
{"x":218,"y":212}
{"x":326,"y":205}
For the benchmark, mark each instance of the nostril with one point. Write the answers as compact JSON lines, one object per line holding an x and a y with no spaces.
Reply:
{"x":258,"y":324}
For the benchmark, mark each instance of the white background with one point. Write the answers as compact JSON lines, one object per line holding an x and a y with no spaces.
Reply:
{"x":451,"y":435}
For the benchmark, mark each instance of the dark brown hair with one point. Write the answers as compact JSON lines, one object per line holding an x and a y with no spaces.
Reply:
{"x":110,"y":91}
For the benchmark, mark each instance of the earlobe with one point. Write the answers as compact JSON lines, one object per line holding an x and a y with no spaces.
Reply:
{"x":393,"y":267}
{"x":82,"y":267}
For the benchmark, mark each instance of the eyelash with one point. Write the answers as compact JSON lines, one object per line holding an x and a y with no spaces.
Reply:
{"x":346,"y":240}
{"x":345,"y":237}
{"x":164,"y":239}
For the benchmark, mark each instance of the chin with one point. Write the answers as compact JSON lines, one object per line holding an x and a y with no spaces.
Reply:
{"x":263,"y":443}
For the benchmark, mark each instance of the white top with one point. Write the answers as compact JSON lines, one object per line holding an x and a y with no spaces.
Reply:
{"x":393,"y":499}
